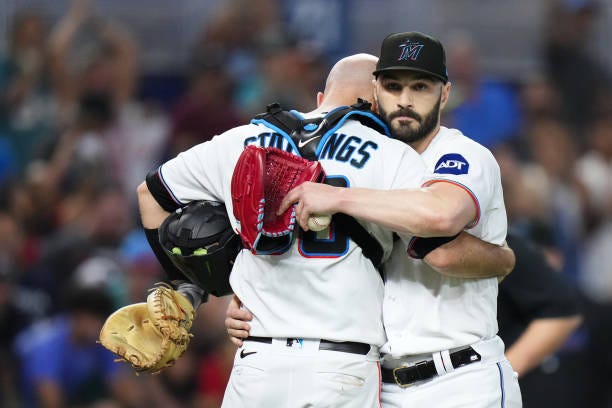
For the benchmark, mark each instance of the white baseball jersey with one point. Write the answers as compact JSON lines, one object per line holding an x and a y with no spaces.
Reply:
{"x":425,"y":311}
{"x":323,"y":287}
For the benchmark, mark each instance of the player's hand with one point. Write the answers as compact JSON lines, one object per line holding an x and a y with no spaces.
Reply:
{"x":311,"y":198}
{"x":236,"y":321}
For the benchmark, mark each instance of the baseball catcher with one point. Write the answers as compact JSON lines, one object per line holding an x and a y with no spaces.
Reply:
{"x":199,"y":242}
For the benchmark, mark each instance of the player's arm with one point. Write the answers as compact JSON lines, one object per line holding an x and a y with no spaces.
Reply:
{"x":469,"y":257}
{"x":539,"y":340}
{"x":440,"y":209}
{"x":151,"y":213}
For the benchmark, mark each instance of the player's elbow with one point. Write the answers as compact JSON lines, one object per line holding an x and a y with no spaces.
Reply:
{"x":142,"y":190}
{"x":144,"y":196}
{"x":508,"y":260}
{"x":440,"y":260}
{"x":439,"y":224}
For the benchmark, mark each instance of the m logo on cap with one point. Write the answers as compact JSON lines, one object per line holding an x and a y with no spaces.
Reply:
{"x":410,"y":50}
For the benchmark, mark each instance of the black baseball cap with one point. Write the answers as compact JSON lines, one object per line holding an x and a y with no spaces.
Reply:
{"x":412,"y":51}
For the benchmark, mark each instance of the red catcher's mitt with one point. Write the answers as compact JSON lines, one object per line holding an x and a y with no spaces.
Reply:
{"x":262,"y":178}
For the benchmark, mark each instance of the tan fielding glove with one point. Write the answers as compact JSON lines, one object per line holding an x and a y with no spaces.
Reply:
{"x":153,"y":335}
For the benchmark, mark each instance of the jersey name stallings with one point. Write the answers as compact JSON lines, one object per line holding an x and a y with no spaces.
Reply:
{"x":337,"y":146}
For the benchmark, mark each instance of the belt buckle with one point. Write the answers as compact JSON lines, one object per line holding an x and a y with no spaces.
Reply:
{"x":397,"y":381}
{"x":415,"y":366}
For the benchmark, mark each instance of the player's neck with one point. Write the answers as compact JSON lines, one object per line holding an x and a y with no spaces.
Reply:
{"x":421,"y":145}
{"x":331,"y":102}
{"x":324,"y":108}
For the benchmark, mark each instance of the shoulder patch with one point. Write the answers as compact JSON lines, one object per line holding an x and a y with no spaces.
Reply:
{"x":452,"y":163}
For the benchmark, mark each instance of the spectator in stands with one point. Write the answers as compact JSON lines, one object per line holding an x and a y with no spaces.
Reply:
{"x":554,"y":156}
{"x":12,"y":318}
{"x":142,"y":269}
{"x":96,"y":218}
{"x":106,"y":68}
{"x":60,"y":363}
{"x":207,"y":108}
{"x":27,"y":110}
{"x":214,"y":370}
{"x":584,"y":83}
{"x":484,"y":107}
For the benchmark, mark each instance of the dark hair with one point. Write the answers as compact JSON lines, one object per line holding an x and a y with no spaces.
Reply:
{"x":93,"y":300}
{"x":95,"y":109}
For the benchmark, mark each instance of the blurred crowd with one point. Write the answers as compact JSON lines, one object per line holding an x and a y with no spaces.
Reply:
{"x":76,"y":138}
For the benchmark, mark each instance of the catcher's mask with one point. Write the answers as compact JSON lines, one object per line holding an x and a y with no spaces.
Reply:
{"x":201,"y":243}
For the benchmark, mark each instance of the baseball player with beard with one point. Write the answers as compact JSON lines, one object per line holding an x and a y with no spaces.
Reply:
{"x":442,"y":349}
{"x":317,"y":307}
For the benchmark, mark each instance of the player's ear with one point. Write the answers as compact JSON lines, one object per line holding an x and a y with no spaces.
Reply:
{"x":320,"y":97}
{"x":445,"y":94}
{"x":375,"y":97}
{"x":374,"y":104}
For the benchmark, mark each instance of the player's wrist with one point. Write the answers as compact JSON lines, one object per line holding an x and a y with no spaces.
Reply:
{"x":195,"y":294}
{"x":345,"y":200}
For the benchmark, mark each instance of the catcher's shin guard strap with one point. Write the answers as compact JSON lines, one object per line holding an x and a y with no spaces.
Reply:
{"x":171,"y":270}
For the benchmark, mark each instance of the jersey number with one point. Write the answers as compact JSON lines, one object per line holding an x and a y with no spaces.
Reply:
{"x":329,"y":243}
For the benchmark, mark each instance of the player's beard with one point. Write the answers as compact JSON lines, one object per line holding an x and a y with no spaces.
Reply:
{"x":405,"y":132}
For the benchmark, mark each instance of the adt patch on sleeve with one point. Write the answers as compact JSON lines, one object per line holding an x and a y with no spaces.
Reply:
{"x":452,"y":163}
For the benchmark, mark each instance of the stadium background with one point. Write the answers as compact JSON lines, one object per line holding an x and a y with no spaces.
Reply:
{"x":532,"y":81}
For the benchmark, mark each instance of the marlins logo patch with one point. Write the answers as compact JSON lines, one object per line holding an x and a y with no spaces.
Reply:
{"x":452,"y":163}
{"x":410,"y":50}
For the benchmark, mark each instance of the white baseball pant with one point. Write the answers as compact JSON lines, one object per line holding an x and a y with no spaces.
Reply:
{"x":296,"y":373}
{"x":488,"y":383}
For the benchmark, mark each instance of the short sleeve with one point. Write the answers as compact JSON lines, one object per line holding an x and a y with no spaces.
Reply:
{"x":469,"y":166}
{"x":195,"y":174}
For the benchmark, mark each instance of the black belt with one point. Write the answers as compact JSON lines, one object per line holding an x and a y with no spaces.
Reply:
{"x":345,"y":346}
{"x":424,"y":370}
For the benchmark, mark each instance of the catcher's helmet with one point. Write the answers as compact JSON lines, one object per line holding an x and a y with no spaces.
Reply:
{"x":201,"y":243}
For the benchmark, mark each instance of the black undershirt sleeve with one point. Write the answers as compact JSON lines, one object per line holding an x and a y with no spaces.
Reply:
{"x":159,"y":191}
{"x":419,"y":247}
